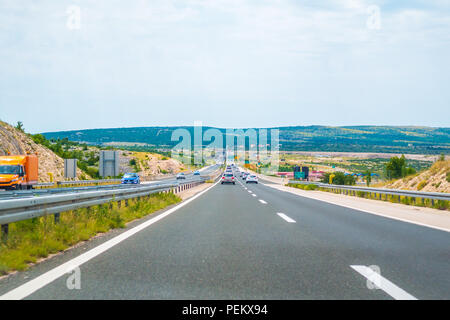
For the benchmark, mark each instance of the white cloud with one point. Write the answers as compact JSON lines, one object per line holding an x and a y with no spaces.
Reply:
{"x":236,"y":53}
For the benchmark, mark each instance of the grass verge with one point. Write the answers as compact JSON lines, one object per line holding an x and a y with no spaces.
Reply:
{"x":33,"y":239}
{"x":303,"y":186}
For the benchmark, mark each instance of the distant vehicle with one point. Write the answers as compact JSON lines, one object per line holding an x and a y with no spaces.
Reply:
{"x":131,"y":178}
{"x":18,"y":172}
{"x":228,"y":178}
{"x":251,"y":178}
{"x":244,"y":175}
{"x":181,"y":176}
{"x":196,"y":173}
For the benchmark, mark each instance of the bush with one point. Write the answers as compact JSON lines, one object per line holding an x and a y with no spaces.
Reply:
{"x":303,"y":186}
{"x":448,"y":177}
{"x":422,"y":185}
{"x":340,"y":178}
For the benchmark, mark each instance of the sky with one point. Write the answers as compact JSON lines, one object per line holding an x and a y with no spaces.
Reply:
{"x":82,"y":64}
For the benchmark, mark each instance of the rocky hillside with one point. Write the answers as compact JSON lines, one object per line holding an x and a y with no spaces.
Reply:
{"x":16,"y":142}
{"x":435,"y":179}
{"x":149,"y":164}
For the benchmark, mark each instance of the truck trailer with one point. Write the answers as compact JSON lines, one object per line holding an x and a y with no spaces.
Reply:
{"x":18,"y":172}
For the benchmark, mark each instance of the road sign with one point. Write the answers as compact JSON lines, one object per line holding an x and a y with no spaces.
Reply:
{"x":299,"y":175}
{"x":70,"y":168}
{"x":109,"y":163}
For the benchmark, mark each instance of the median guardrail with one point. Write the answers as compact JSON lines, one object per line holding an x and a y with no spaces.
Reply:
{"x":352,"y":190}
{"x":14,"y":210}
{"x":59,"y":184}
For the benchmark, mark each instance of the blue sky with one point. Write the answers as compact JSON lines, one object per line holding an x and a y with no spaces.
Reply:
{"x":227,"y":63}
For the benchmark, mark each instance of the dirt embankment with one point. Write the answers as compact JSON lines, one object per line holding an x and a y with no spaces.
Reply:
{"x":149,"y":164}
{"x":16,"y":142}
{"x":435,"y":179}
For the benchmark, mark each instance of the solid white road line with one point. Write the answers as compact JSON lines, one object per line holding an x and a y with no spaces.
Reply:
{"x":262,"y":201}
{"x":285,"y":217}
{"x":31,"y":286}
{"x":383,"y":283}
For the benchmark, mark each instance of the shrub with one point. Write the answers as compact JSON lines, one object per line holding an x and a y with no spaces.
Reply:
{"x":448,"y":176}
{"x":422,"y":185}
{"x":303,"y":186}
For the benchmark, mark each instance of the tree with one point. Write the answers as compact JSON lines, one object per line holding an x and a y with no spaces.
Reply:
{"x":340,"y":178}
{"x":368,"y":177}
{"x":396,"y":168}
{"x":20,"y":127}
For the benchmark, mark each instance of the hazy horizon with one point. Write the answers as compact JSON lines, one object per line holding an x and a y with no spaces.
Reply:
{"x":208,"y":126}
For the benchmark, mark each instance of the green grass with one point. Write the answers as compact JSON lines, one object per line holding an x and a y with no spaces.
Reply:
{"x":30,"y":240}
{"x":303,"y":186}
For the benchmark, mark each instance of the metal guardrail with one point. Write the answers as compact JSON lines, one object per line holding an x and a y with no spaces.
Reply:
{"x":77,"y":182}
{"x":13,"y":210}
{"x":379,"y":191}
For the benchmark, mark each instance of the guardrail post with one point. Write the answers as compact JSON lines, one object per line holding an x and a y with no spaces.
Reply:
{"x":4,"y":232}
{"x":57,"y":216}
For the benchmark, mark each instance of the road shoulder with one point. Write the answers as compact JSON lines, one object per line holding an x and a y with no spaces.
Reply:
{"x":428,"y":217}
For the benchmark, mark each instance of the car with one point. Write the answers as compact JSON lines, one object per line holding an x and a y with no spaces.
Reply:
{"x":131,"y":178}
{"x":196,"y":173}
{"x":244,"y":175}
{"x":228,"y":178}
{"x":181,"y":176}
{"x":251,"y":178}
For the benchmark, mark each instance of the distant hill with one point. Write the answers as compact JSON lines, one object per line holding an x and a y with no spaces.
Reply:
{"x":423,"y":140}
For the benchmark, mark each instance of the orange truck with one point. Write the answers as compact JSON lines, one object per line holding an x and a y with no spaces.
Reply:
{"x":18,"y":172}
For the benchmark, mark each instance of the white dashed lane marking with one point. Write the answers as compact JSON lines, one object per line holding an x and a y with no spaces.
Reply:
{"x":285,"y":217}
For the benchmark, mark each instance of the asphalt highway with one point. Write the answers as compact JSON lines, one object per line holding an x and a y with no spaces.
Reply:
{"x":254,"y":242}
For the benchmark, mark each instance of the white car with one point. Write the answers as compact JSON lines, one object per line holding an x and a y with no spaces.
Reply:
{"x":228,"y":178}
{"x":251,"y":178}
